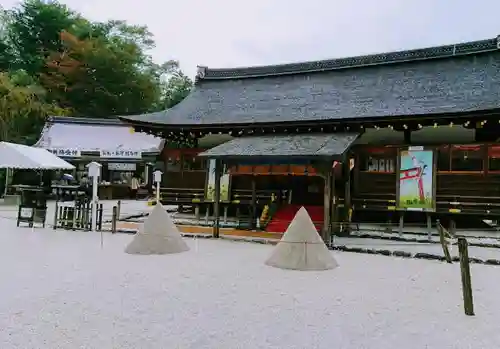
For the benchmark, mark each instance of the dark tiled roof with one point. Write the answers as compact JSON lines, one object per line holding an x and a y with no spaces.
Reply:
{"x":290,"y":146}
{"x":448,"y":79}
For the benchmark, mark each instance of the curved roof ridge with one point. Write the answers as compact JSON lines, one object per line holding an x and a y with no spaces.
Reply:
{"x":436,"y":52}
{"x":113,"y":121}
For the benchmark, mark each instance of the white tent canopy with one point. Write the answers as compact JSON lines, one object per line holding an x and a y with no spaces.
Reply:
{"x":20,"y":156}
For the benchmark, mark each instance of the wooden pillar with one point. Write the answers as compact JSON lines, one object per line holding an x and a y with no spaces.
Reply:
{"x":334,"y":219}
{"x":253,"y":221}
{"x":347,"y":194}
{"x":407,"y":135}
{"x":356,"y":168}
{"x":218,"y":169}
{"x":327,"y":197}
{"x":401,"y":222}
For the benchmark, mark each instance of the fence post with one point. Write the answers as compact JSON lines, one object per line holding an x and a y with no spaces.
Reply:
{"x":88,"y":216}
{"x":444,"y":243}
{"x":65,"y":216}
{"x":238,"y":215}
{"x":465,"y":273}
{"x":197,"y":213}
{"x":401,"y":223}
{"x":207,"y":214}
{"x":99,"y":216}
{"x":225,"y":213}
{"x":118,"y":209}
{"x":114,"y":219}
{"x":429,"y":225}
{"x":56,"y":209}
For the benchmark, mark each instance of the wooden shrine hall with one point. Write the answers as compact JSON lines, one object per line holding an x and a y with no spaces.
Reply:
{"x":410,"y":133}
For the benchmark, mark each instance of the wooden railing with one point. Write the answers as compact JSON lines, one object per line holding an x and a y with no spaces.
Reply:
{"x":186,"y":196}
{"x":181,"y":196}
{"x":455,"y":193}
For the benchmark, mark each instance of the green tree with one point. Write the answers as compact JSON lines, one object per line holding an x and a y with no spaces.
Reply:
{"x":6,"y":54}
{"x":23,"y":110}
{"x":99,"y":78}
{"x":33,"y":31}
{"x":92,"y":69}
{"x":175,"y":89}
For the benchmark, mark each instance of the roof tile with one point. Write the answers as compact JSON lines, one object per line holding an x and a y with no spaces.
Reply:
{"x":298,"y":146}
{"x":464,"y":82}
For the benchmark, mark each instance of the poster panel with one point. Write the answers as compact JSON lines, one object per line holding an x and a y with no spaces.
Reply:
{"x":224,"y":183}
{"x":416,"y":180}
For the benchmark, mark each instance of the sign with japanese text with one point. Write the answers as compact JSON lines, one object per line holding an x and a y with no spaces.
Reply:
{"x":122,"y":166}
{"x":65,"y":152}
{"x":123,"y":154}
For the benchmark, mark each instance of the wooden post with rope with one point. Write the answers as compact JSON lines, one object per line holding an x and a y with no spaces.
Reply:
{"x":114,"y":219}
{"x":118,"y":209}
{"x":444,"y":243}
{"x":463,"y":251}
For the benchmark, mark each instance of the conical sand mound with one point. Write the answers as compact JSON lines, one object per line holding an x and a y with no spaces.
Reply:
{"x":159,"y":235}
{"x":301,"y":247}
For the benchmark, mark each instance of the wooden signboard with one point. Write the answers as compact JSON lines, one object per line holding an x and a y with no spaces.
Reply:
{"x":416,"y":180}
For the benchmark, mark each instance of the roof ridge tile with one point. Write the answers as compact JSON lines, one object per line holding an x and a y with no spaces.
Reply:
{"x":436,"y":52}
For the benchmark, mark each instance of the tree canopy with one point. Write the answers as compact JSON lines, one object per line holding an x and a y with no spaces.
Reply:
{"x":54,"y":61}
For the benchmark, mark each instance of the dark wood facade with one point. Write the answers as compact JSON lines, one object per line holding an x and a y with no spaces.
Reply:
{"x":467,"y":179}
{"x":408,"y":91}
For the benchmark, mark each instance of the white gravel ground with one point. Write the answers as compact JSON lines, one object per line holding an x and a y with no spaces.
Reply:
{"x":61,"y":290}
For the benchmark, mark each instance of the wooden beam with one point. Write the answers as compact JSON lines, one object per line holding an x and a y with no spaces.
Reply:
{"x":218,"y":169}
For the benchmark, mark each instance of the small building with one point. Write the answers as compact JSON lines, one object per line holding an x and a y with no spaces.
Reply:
{"x":378,"y":137}
{"x":121,"y":151}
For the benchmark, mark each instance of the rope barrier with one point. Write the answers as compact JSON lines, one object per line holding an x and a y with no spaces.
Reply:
{"x":347,"y":243}
{"x":302,"y":242}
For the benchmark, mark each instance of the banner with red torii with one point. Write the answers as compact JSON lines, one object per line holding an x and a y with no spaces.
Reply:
{"x":416,"y":189}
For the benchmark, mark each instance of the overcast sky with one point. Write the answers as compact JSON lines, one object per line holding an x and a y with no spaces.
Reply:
{"x":230,"y":33}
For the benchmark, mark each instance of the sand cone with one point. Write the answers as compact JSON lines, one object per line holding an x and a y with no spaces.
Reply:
{"x":158,"y":235}
{"x":301,"y":247}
